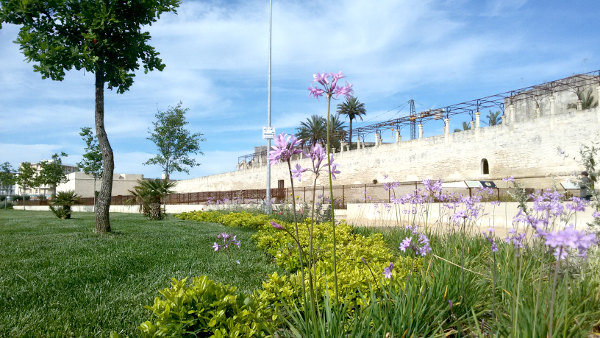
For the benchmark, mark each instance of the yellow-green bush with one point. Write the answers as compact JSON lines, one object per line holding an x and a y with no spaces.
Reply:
{"x":212,"y":216}
{"x":245,"y":220}
{"x":206,"y":308}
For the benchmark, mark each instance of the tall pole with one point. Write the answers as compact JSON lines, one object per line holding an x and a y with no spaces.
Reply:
{"x":268,"y":198}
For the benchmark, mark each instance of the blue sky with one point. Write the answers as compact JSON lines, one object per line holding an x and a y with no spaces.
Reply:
{"x":435,"y":52}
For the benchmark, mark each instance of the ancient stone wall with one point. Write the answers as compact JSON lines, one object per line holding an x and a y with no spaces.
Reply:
{"x":533,"y":146}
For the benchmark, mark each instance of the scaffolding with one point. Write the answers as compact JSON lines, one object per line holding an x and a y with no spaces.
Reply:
{"x":496,"y":101}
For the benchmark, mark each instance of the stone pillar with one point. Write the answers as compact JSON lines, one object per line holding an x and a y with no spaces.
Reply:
{"x":420,"y":130}
{"x":358,"y":142}
{"x":538,"y":111}
{"x":342,"y":145}
{"x":398,"y":136}
{"x":477,"y":120}
{"x":472,"y":125}
{"x":511,"y":112}
{"x":579,"y":105}
{"x":503,"y":119}
{"x":552,"y":105}
{"x":377,"y":139}
{"x":446,"y":127}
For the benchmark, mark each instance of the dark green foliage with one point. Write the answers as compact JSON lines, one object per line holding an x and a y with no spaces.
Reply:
{"x":51,"y":172}
{"x":149,"y":194}
{"x":7,"y":175}
{"x":26,"y":177}
{"x":61,"y":203}
{"x":314,"y":130}
{"x":174,"y":142}
{"x":353,"y":109}
{"x":91,"y":163}
{"x":465,"y":126}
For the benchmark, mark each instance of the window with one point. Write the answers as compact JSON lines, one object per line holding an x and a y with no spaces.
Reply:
{"x":485,"y":167}
{"x":280,"y":184}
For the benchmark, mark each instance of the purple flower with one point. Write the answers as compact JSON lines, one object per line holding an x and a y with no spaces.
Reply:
{"x":387,"y":272}
{"x":459,"y":215}
{"x":508,"y":179}
{"x":596,"y":214}
{"x":515,"y":238}
{"x":285,"y":146}
{"x":405,"y":244}
{"x":334,"y":169}
{"x":578,"y":204}
{"x":329,"y":84}
{"x":489,"y":236}
{"x":216,"y":246}
{"x":277,"y":226}
{"x":569,"y":238}
{"x":297,"y":172}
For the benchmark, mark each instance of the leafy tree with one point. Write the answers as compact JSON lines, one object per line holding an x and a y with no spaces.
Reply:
{"x":494,"y":118}
{"x":26,"y":178}
{"x":586,"y":98}
{"x":52,"y":172}
{"x":353,"y":109}
{"x":174,"y":142}
{"x":314,"y":130}
{"x":100,"y":36}
{"x":91,"y":163}
{"x":7,"y":176}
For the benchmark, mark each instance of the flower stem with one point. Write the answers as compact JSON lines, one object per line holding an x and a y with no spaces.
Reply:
{"x":335,"y":279}
{"x":550,"y":322}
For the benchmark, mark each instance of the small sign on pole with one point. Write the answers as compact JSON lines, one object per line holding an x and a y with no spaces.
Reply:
{"x":268,"y":133}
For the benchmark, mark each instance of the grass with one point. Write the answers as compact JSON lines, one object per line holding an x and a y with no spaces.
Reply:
{"x":59,"y":278}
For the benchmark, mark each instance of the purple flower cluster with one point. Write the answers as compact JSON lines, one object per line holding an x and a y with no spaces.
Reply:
{"x":420,"y":246}
{"x":277,"y":226}
{"x":329,"y":85}
{"x":489,"y":236}
{"x":227,"y":240}
{"x":578,"y":204}
{"x":569,"y":238}
{"x":285,"y":146}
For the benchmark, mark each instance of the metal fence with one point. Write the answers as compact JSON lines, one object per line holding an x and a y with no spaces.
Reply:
{"x":342,"y":195}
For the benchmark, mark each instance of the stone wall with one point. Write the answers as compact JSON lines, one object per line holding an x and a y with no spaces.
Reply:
{"x":545,"y":146}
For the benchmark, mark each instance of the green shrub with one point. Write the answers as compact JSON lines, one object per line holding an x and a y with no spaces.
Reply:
{"x":245,"y":220}
{"x":61,"y":204}
{"x":205,"y":308}
{"x":211,"y":216}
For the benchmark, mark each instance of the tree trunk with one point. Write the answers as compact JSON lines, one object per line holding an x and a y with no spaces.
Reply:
{"x":350,"y":142}
{"x":103,"y":201}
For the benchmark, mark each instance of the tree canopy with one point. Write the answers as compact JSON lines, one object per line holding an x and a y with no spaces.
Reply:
{"x":51,"y":172}
{"x":314,"y":130}
{"x":174,"y":142}
{"x":7,"y":175}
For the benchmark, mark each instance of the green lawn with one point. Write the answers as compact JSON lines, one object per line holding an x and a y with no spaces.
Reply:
{"x":59,"y":278}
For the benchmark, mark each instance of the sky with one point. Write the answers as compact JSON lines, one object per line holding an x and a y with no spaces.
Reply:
{"x":216,"y":54}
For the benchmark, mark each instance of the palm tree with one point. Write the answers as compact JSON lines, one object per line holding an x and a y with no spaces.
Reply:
{"x":586,"y":98}
{"x":149,"y":194}
{"x":493,"y":118}
{"x":353,"y":109}
{"x":61,"y":203}
{"x":314,"y":130}
{"x":465,"y":125}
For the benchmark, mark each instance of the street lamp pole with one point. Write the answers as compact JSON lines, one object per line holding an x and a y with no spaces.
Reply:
{"x":268,"y":197}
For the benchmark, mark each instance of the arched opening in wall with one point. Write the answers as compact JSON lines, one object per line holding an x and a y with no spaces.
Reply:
{"x":485,"y":167}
